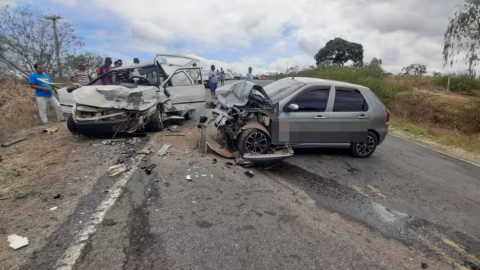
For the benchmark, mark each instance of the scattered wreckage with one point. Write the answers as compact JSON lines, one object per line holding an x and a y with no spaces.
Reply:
{"x":149,"y":94}
{"x":262,"y":125}
{"x":242,"y":119}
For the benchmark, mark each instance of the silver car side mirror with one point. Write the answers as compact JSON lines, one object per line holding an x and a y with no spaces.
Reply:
{"x":293,"y":107}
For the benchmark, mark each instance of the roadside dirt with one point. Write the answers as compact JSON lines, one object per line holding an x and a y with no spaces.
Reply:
{"x":41,"y":173}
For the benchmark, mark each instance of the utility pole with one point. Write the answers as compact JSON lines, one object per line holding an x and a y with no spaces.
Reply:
{"x":54,"y":19}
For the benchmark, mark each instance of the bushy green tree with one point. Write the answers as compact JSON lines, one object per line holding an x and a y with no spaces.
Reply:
{"x":338,"y":52}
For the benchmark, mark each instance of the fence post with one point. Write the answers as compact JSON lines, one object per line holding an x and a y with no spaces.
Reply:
{"x":448,"y":85}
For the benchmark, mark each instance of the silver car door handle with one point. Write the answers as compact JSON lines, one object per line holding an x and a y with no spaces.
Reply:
{"x":320,"y":117}
{"x":363,"y":116}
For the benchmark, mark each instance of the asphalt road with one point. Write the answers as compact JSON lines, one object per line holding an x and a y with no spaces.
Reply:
{"x":404,"y":206}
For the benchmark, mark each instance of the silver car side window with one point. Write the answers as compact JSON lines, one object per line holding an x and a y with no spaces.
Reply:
{"x":312,"y":101}
{"x":349,"y":100}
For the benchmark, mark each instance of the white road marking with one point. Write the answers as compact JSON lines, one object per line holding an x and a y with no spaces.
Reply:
{"x":71,"y":255}
{"x":433,"y":149}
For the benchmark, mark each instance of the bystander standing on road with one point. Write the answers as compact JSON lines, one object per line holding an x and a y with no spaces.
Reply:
{"x":44,"y":93}
{"x":249,"y":75}
{"x":212,"y":76}
{"x":81,"y":76}
{"x":107,"y":80}
{"x":222,"y":77}
{"x":195,"y":74}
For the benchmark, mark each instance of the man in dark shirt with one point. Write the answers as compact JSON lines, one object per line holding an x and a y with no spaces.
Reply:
{"x":107,"y":80}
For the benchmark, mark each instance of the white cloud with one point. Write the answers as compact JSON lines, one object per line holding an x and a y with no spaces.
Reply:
{"x":7,"y":2}
{"x":70,"y":3}
{"x":398,"y":32}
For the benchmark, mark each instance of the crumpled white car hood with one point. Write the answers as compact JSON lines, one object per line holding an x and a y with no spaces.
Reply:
{"x":117,"y":97}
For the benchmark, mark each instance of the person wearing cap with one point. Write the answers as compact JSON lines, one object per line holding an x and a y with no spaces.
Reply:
{"x":106,"y":80}
{"x":136,"y":61}
{"x":81,"y":76}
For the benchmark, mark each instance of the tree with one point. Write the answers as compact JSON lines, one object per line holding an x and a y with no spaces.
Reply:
{"x":376,"y":62}
{"x":463,"y":35}
{"x":437,"y":74}
{"x":27,"y":38}
{"x":339,"y":51}
{"x":415,"y":69}
{"x":293,"y":69}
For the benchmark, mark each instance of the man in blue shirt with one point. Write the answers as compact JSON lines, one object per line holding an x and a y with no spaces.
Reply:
{"x":44,"y":93}
{"x":249,"y":75}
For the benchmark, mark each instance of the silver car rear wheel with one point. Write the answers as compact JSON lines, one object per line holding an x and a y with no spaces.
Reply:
{"x":365,"y":149}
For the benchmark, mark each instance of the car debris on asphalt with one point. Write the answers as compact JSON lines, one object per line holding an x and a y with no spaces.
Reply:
{"x":17,"y":241}
{"x":175,"y":134}
{"x":189,"y":178}
{"x":175,"y":128}
{"x":145,"y":151}
{"x":58,"y":196}
{"x":117,"y":169}
{"x":107,"y":142}
{"x":164,"y":150}
{"x":15,"y":141}
{"x":149,"y":168}
{"x":51,"y":130}
{"x":54,"y":208}
{"x":214,"y":161}
{"x":249,"y":173}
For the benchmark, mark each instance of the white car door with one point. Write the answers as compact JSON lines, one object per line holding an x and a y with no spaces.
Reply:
{"x":183,"y":89}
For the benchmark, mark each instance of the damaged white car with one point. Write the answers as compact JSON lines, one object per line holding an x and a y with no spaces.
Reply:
{"x":140,"y":99}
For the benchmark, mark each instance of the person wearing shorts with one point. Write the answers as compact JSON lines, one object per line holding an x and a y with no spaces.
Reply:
{"x":222,"y":77}
{"x":212,"y":76}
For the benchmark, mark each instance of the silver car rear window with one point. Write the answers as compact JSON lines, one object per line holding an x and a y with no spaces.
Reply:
{"x":280,"y":89}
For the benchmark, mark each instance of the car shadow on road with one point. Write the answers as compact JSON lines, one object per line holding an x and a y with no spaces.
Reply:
{"x":343,"y":152}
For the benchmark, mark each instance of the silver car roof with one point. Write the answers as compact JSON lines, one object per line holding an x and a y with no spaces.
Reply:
{"x":307,"y":80}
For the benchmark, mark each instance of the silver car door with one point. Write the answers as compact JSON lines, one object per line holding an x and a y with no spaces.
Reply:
{"x":183,"y":89}
{"x":304,"y":118}
{"x":352,"y":113}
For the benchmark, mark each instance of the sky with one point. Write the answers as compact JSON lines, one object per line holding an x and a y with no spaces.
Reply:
{"x":267,"y":35}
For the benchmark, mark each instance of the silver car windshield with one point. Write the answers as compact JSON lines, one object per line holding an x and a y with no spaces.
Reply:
{"x":281,"y":89}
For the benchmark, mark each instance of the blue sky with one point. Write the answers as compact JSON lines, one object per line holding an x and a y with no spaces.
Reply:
{"x":264,"y":34}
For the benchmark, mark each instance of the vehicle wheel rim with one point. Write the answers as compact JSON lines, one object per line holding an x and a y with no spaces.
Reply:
{"x":366,"y":148}
{"x":256,"y":143}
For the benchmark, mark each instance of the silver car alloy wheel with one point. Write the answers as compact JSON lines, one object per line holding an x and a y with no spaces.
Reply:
{"x":256,"y":143}
{"x":367,"y":147}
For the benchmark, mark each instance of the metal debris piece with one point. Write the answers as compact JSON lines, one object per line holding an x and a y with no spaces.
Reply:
{"x":149,"y":168}
{"x":117,"y":169}
{"x":133,"y":141}
{"x":54,"y":208}
{"x":17,"y":241}
{"x":249,"y":173}
{"x":145,"y":151}
{"x":243,"y":162}
{"x":14,"y":142}
{"x":175,"y":134}
{"x":107,"y":142}
{"x":175,"y":128}
{"x":189,"y":178}
{"x":164,"y":150}
{"x":217,"y":148}
{"x":50,"y":130}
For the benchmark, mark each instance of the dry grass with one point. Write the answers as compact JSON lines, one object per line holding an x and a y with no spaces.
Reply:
{"x":18,"y":107}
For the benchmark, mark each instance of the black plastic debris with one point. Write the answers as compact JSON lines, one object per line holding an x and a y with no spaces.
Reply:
{"x":58,"y":196}
{"x":214,"y":161}
{"x":424,"y":266}
{"x":149,"y":168}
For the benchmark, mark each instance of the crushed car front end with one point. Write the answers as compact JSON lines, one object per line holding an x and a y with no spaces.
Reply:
{"x":241,"y":123}
{"x":113,"y":109}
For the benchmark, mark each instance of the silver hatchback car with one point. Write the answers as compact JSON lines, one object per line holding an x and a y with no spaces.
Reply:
{"x":300,"y":112}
